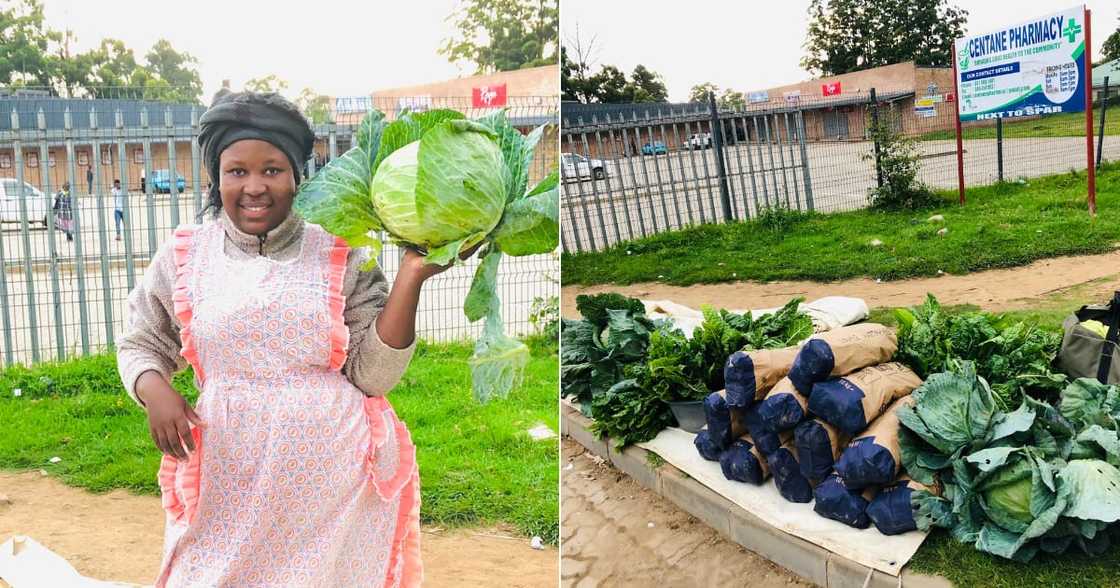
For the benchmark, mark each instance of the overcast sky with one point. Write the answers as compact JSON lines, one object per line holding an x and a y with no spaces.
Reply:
{"x":337,"y":47}
{"x":748,"y":45}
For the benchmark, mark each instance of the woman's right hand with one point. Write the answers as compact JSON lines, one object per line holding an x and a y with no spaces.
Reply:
{"x":169,"y":415}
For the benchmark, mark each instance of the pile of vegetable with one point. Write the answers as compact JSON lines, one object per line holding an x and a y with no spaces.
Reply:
{"x":442,"y":184}
{"x":1013,"y":357}
{"x":624,"y":369}
{"x":1038,"y":478}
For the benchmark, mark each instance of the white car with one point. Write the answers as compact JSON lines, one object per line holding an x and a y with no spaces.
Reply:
{"x":578,"y":167}
{"x":37,"y":204}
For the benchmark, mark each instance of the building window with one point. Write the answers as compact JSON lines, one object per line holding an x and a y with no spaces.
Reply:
{"x":106,"y":157}
{"x":83,"y":158}
{"x":138,"y":156}
{"x":32,"y":159}
{"x":50,"y":158}
{"x":5,"y":161}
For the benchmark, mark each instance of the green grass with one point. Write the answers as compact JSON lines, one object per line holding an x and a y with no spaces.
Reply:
{"x":1004,"y":225}
{"x":965,"y":567}
{"x":1070,"y":124}
{"x":478,"y":466}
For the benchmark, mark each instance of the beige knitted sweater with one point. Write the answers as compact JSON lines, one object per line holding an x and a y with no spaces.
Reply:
{"x":151,"y":339}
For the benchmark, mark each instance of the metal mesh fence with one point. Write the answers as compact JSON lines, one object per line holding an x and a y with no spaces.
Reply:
{"x":630,"y":171}
{"x":68,"y":266}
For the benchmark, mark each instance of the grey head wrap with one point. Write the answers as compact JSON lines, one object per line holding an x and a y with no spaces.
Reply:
{"x":236,"y":116}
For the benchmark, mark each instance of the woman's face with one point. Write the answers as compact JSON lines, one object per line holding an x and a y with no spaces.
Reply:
{"x":257,"y":185}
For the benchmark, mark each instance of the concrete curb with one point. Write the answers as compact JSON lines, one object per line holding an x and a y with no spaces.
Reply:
{"x":811,"y":562}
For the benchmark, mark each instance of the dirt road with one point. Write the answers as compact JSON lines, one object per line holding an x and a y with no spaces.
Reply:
{"x":1090,"y":277}
{"x":616,"y":533}
{"x":118,"y":536}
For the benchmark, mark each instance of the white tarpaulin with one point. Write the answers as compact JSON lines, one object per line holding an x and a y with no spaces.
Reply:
{"x":827,"y":313}
{"x":886,"y":553}
{"x":25,"y":563}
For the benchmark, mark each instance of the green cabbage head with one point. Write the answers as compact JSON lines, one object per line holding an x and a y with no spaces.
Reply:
{"x":448,"y":188}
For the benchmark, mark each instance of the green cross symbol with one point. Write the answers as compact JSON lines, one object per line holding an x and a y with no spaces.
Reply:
{"x":1072,"y":30}
{"x":963,"y":54}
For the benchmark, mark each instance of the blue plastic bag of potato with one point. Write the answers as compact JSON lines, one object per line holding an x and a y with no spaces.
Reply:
{"x":819,"y":445}
{"x":724,"y":423}
{"x":833,"y":500}
{"x":766,"y":440}
{"x":840,"y":352}
{"x":874,"y":457}
{"x":783,"y":408}
{"x":787,"y":474}
{"x":705,"y":446}
{"x":749,"y":375}
{"x":891,"y":510}
{"x":852,"y":402}
{"x":742,"y":462}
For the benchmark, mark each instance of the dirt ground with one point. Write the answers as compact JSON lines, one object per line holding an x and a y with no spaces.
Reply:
{"x":1094,"y":277}
{"x":118,"y":536}
{"x":613,"y":532}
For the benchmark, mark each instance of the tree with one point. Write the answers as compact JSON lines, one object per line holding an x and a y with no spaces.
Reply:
{"x":316,"y":107}
{"x":25,"y":57}
{"x":732,"y":100}
{"x":504,"y":35}
{"x":610,"y":86}
{"x":850,"y":35}
{"x":576,"y":82}
{"x":269,"y":83}
{"x":699,"y":92}
{"x":176,"y":70}
{"x":646,"y":86}
{"x":1110,"y":49}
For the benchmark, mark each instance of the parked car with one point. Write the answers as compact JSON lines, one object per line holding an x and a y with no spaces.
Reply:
{"x":578,"y":167}
{"x":10,"y":194}
{"x":655,"y":148}
{"x":161,"y":182}
{"x":698,"y":141}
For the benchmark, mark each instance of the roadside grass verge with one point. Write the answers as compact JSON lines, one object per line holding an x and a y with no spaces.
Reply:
{"x":1068,"y":124}
{"x":478,"y":466}
{"x":1003,"y":225}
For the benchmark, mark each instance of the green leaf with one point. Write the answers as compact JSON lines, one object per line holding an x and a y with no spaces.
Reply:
{"x":408,"y":128}
{"x":484,"y":287}
{"x":369,"y":134}
{"x":337,"y":198}
{"x":550,"y":181}
{"x":499,"y":361}
{"x":530,"y":225}
{"x":517,"y":151}
{"x":1094,"y":490}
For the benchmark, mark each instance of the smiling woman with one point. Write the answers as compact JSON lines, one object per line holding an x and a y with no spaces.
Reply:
{"x":292,"y":447}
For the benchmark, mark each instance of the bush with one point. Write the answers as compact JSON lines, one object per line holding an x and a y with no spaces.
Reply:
{"x":778,"y":218}
{"x":898,"y":164}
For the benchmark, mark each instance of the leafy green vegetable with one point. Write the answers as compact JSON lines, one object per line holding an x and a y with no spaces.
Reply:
{"x":590,"y":363}
{"x":1035,"y":479}
{"x":628,"y":414}
{"x":439,"y":183}
{"x":1014,"y":358}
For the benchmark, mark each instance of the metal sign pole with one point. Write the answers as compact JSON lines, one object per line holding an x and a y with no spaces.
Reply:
{"x":1087,"y":56}
{"x":957,"y":122}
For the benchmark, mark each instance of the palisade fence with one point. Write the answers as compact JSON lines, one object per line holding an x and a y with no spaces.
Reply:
{"x":61,"y":297}
{"x":633,"y":170}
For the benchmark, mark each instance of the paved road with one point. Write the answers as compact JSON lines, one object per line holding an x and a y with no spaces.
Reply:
{"x":650,"y":194}
{"x":441,"y":316}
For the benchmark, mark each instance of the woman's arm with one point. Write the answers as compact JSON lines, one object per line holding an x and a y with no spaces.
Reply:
{"x":382,"y":323}
{"x":148,"y":354}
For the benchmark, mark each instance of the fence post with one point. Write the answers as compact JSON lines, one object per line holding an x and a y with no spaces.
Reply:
{"x":1104,"y":109}
{"x":25,"y":234}
{"x":721,"y":171}
{"x":875,"y":136}
{"x":102,"y":227}
{"x":999,"y":148}
{"x":806,"y":178}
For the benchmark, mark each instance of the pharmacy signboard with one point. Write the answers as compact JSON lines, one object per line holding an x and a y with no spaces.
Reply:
{"x":1027,"y":69}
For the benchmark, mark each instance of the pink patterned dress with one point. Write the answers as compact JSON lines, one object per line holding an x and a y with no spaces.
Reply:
{"x":299,"y":479}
